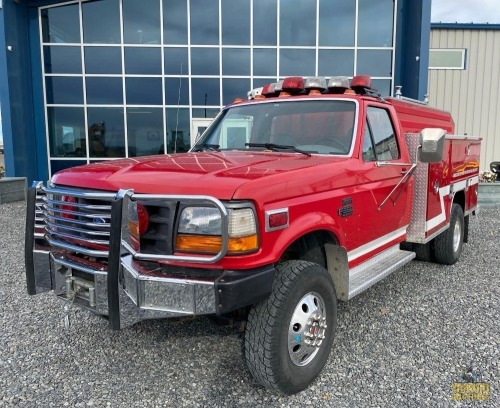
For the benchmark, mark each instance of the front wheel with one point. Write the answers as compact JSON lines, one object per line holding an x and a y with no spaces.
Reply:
{"x":289,"y":335}
{"x":447,"y":246}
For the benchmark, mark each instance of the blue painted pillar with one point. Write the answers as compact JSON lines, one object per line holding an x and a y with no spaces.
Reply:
{"x":412,"y":47}
{"x":17,"y":97}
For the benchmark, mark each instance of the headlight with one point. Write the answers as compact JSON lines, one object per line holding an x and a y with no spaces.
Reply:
{"x":200,"y":220}
{"x":200,"y":230}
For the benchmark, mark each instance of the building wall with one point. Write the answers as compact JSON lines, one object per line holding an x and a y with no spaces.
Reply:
{"x":472,"y":94}
{"x":59,"y":103}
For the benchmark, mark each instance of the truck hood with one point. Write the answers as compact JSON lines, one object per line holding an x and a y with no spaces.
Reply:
{"x":218,"y":174}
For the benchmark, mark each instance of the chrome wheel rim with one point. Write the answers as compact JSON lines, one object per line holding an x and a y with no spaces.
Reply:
{"x":456,"y":237}
{"x":307,"y":328}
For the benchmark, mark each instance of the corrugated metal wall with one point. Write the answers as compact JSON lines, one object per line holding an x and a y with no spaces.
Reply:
{"x":471,"y":95}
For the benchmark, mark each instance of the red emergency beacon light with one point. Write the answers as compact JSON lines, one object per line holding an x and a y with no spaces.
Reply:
{"x":361,"y":83}
{"x":292,"y":86}
{"x":269,"y":90}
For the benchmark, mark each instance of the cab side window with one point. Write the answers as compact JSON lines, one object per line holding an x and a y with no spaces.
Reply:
{"x":380,"y":139}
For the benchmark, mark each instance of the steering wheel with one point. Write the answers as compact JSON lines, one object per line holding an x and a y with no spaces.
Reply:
{"x":334,"y":142}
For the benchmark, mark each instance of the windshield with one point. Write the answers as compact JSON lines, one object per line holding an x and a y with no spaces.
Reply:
{"x":322,"y":126}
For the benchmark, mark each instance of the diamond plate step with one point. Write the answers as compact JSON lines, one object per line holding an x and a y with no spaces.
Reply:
{"x":377,"y":268}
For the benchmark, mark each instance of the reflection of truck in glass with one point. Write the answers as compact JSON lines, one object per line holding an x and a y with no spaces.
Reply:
{"x":306,"y":195}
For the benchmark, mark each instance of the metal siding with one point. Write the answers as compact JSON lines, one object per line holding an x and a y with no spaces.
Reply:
{"x":471,"y":95}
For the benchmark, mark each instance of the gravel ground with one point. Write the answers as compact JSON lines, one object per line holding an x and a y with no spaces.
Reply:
{"x":401,"y":343}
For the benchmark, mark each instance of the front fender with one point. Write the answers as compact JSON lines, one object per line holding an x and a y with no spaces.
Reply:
{"x":305,"y":224}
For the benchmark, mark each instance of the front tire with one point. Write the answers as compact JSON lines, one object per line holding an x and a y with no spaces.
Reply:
{"x":448,"y":245}
{"x":289,"y":335}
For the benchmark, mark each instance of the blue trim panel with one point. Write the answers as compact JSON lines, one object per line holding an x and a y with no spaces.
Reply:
{"x":465,"y":26}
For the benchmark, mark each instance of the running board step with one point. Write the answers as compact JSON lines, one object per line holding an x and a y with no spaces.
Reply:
{"x":377,"y":268}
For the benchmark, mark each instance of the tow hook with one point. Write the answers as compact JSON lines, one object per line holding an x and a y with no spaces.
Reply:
{"x":67,"y":320}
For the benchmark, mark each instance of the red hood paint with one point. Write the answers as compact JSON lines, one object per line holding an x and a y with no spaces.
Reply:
{"x":219,"y":174}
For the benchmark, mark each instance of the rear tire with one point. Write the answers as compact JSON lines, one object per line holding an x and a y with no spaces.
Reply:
{"x":447,"y":246}
{"x":289,"y":335}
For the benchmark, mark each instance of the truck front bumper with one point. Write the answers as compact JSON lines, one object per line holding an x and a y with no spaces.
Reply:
{"x":128,"y":290}
{"x":147,"y":290}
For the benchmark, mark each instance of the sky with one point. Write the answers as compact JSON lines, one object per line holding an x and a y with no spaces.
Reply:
{"x":466,"y":11}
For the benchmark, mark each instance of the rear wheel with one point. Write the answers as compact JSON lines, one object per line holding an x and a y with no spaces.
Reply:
{"x":447,"y":246}
{"x":289,"y":335}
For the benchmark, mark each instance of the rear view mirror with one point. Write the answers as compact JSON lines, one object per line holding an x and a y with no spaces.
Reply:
{"x":432,"y":145}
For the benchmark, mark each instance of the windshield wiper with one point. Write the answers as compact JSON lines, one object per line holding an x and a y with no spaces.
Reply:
{"x":206,"y":146}
{"x":277,"y":147}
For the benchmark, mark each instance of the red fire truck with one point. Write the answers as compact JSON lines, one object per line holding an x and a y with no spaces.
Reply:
{"x":304,"y":195}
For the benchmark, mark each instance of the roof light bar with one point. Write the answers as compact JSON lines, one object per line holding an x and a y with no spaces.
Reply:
{"x":278,"y":87}
{"x":269,"y":90}
{"x":315,"y":85}
{"x":338,"y":84}
{"x":255,"y":93}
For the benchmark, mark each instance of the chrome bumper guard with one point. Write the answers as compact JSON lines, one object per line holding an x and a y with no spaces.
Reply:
{"x":129,"y":291}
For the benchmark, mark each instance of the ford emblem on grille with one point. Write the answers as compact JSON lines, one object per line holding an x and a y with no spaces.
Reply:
{"x":99,"y":221}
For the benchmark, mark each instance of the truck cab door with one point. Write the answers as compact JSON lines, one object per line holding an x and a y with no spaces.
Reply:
{"x":381,"y":194}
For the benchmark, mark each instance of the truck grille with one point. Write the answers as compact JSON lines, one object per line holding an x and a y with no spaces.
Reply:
{"x":78,"y":220}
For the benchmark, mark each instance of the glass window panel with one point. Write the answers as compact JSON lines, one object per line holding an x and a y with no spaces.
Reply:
{"x":447,"y":59}
{"x":143,"y":61}
{"x":336,"y":62}
{"x":145,"y":131}
{"x":297,"y":62}
{"x":374,"y":63}
{"x":258,"y":82}
{"x":205,"y":91}
{"x":141,"y":22}
{"x":62,"y":60}
{"x":297,"y":22}
{"x":144,"y":91}
{"x":103,"y":60}
{"x":176,"y":91}
{"x":64,"y":90}
{"x":66,"y":132}
{"x":176,"y":61}
{"x":101,"y":21}
{"x":368,"y":150}
{"x":384,"y":138}
{"x":205,"y":113}
{"x":106,"y":132}
{"x":175,"y":22}
{"x":234,"y":88}
{"x":337,"y":20}
{"x":178,"y":130}
{"x":204,"y":61}
{"x":264,"y":61}
{"x":204,"y":22}
{"x":383,"y":86}
{"x":236,"y":61}
{"x":375,"y":23}
{"x":58,"y":165}
{"x":265,"y":22}
{"x":235,"y":22}
{"x":61,"y":24}
{"x":104,"y":91}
